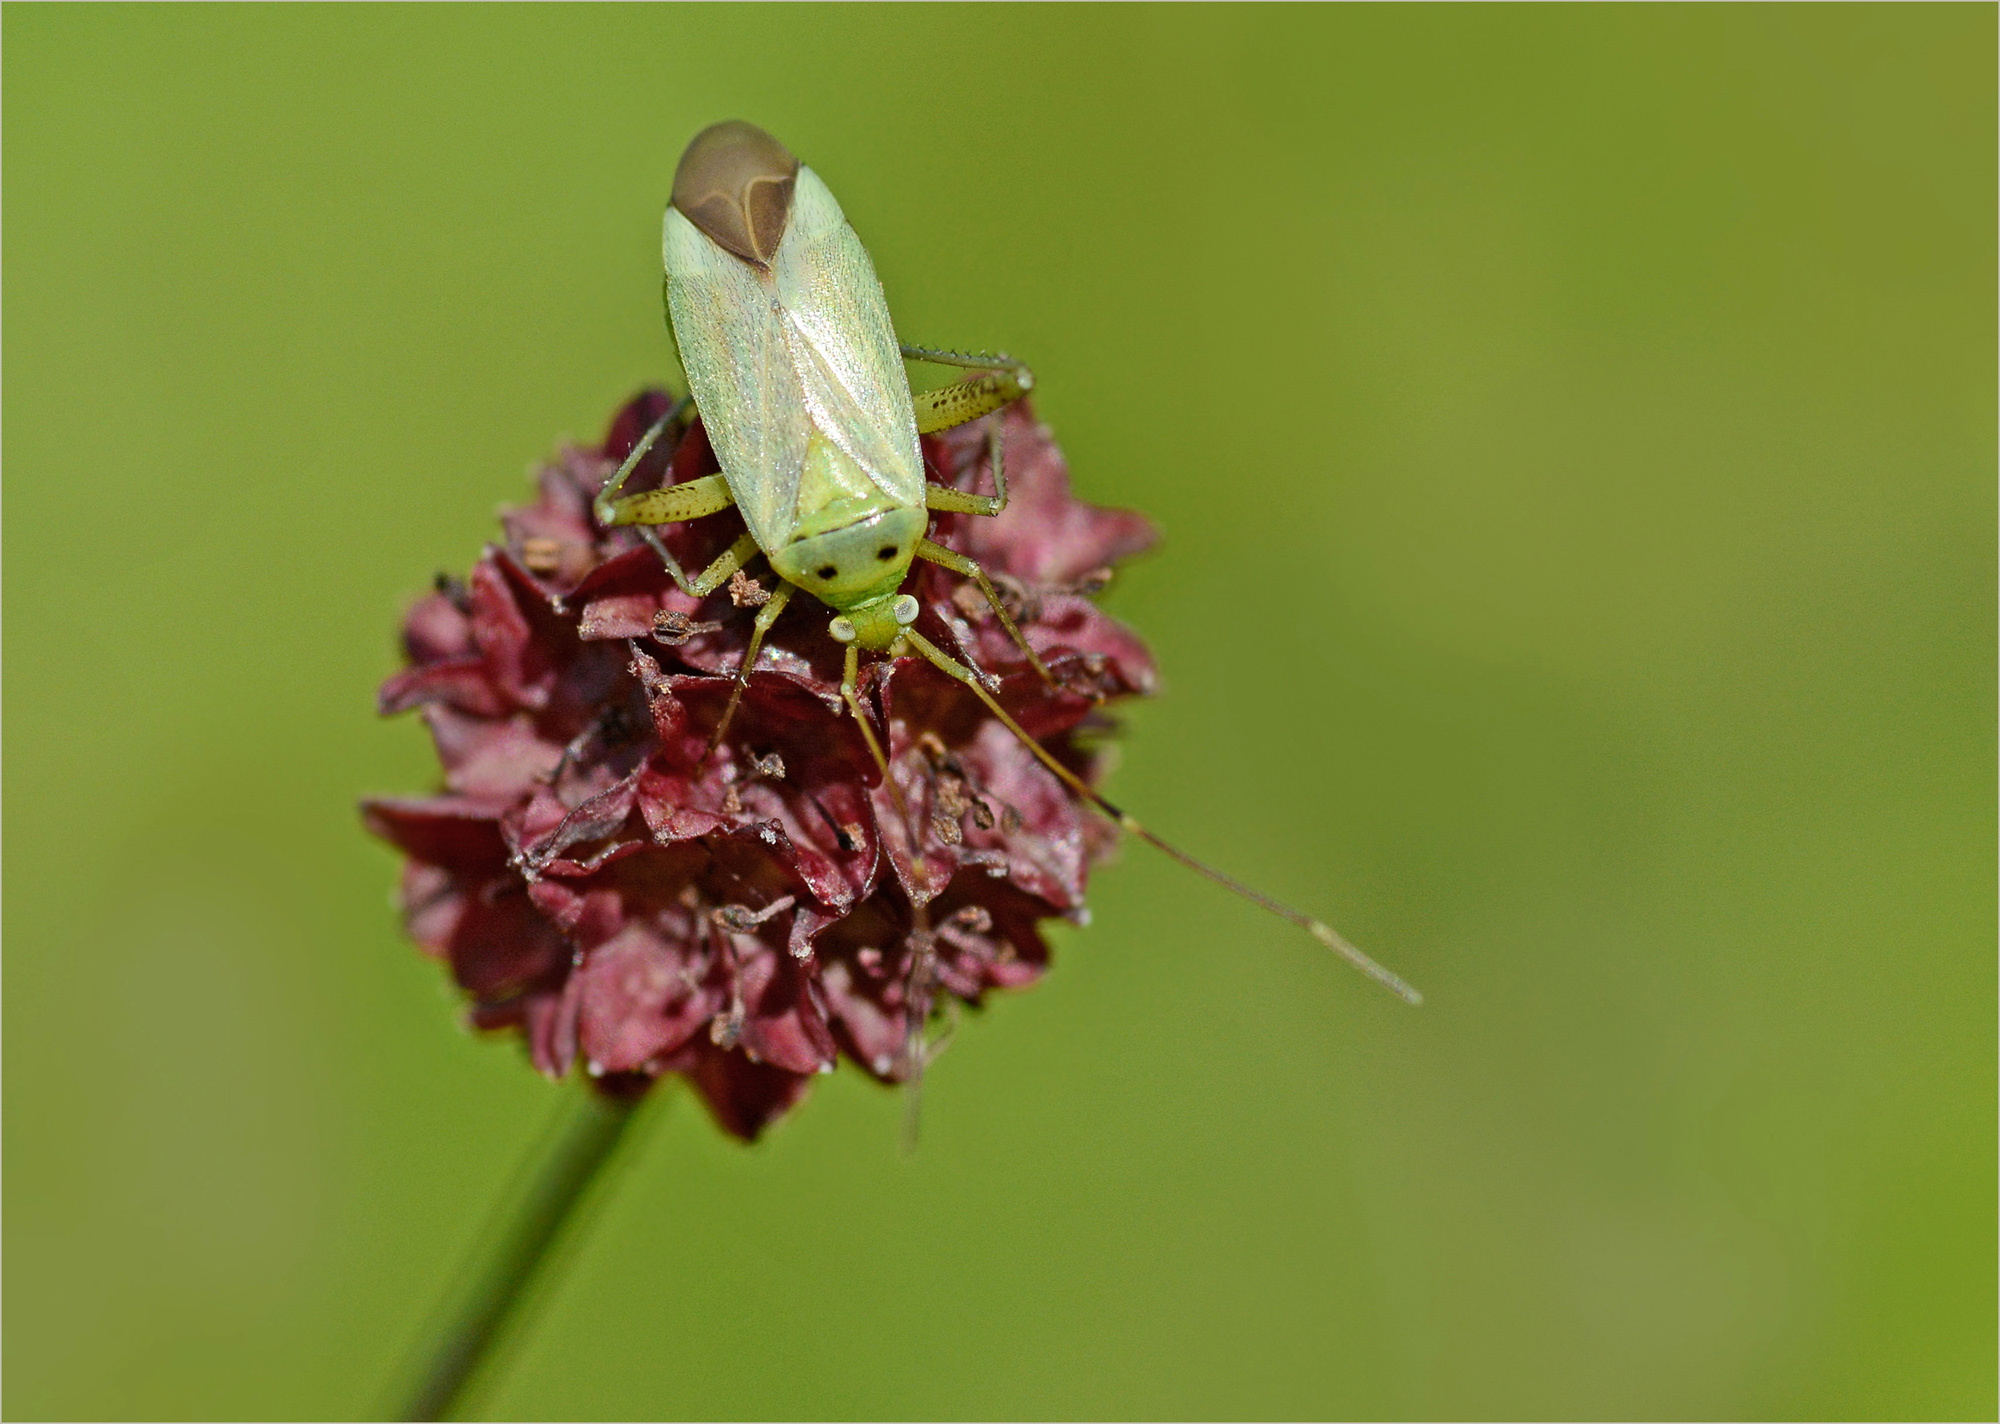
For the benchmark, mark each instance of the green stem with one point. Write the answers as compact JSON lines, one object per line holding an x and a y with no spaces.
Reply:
{"x":585,"y":1140}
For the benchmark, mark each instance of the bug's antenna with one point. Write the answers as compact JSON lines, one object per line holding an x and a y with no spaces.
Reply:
{"x":917,"y":1009}
{"x":1319,"y":930}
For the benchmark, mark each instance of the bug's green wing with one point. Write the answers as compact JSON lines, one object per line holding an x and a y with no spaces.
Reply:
{"x":843,"y":346}
{"x":742,"y":375}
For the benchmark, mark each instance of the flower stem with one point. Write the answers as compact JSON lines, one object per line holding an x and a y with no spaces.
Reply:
{"x":587,"y":1133}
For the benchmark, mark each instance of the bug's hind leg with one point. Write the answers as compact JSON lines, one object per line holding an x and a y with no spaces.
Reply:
{"x":947,"y":500}
{"x":1005,"y":381}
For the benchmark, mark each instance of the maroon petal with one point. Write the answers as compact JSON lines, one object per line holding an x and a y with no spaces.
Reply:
{"x":436,"y":628}
{"x":432,"y":905}
{"x":501,"y":945}
{"x":487,"y":759}
{"x":637,"y":1000}
{"x":554,"y":538}
{"x":782,"y":1026}
{"x":443,"y":830}
{"x":519,"y":666}
{"x":745,"y":1097}
{"x":460,"y":682}
{"x":550,"y":1021}
{"x":872,"y":1032}
{"x":586,"y":914}
{"x":597,"y":819}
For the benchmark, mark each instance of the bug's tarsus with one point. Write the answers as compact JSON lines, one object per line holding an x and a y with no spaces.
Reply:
{"x":728,"y":562}
{"x":651,"y":534}
{"x":601,"y":506}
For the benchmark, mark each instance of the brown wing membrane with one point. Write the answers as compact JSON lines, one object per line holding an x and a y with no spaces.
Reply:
{"x":735,"y":184}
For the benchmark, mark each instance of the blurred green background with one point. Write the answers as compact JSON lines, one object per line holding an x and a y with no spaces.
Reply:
{"x":1574,"y":435}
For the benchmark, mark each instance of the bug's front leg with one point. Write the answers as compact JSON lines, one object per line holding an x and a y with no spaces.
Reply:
{"x":850,"y":693}
{"x":766,"y":616}
{"x":960,"y":564}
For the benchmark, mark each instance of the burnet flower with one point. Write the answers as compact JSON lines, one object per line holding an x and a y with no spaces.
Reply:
{"x":601,"y":884}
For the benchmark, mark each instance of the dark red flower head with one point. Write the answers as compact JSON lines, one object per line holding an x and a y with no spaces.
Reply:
{"x":599,"y":886}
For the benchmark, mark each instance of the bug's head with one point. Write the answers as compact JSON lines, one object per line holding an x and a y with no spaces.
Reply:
{"x":856,"y":561}
{"x":735,"y":184}
{"x":876,"y":625}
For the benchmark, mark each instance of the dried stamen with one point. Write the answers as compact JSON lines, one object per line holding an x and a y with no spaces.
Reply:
{"x":746,"y":592}
{"x":674,"y":628}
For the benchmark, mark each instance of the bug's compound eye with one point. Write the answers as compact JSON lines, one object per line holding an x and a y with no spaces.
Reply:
{"x":905,"y":610}
{"x":827,"y":571}
{"x":886,"y":553}
{"x":842,"y":630}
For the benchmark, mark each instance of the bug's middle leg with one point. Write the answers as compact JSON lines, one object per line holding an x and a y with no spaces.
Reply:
{"x":707,"y":495}
{"x":946,"y":500}
{"x":689,"y":500}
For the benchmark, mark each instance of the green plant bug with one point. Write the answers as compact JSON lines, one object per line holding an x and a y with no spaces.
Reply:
{"x":795,"y":369}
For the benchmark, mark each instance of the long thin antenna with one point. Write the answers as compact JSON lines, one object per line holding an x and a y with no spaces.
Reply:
{"x":1319,"y":930}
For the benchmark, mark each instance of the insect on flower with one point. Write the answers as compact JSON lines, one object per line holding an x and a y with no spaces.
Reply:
{"x":795,"y":371}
